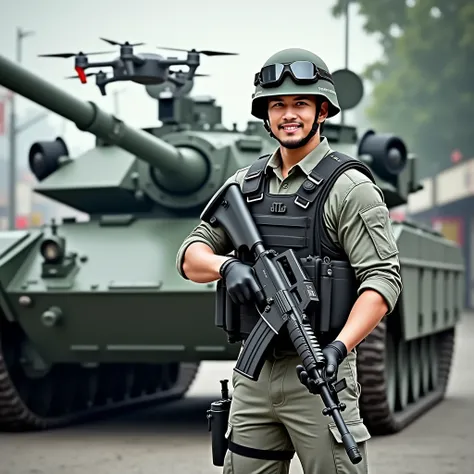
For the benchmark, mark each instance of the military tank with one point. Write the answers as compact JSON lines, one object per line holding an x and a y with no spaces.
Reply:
{"x":94,"y":315}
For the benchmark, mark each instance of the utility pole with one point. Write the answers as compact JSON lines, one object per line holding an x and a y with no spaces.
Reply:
{"x":346,"y":46}
{"x":116,"y":101}
{"x":20,"y":35}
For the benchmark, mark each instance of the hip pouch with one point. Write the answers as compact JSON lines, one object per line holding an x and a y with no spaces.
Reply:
{"x":336,"y":286}
{"x":217,"y":421}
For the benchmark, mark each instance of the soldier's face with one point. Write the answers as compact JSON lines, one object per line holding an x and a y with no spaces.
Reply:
{"x":291,"y":117}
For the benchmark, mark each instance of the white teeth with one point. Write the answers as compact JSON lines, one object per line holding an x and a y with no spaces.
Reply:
{"x":291,"y":128}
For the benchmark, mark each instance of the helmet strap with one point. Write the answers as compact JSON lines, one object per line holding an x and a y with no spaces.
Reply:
{"x":304,"y":140}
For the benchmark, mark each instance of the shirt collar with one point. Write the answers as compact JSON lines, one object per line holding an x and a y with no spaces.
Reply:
{"x":308,"y":162}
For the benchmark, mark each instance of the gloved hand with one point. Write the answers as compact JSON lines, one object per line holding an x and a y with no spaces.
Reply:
{"x":334,"y":353}
{"x":241,"y":283}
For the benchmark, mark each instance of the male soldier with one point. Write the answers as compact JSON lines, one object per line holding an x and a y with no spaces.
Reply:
{"x":275,"y":416}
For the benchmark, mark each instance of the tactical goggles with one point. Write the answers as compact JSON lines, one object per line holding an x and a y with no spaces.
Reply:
{"x":302,"y":72}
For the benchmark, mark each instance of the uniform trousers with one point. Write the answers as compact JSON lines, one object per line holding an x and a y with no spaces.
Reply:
{"x":277,"y":412}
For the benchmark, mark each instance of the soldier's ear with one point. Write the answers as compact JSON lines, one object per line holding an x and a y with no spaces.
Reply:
{"x":323,"y":113}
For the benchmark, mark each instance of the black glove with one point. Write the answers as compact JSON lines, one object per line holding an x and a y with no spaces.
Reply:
{"x":334,"y":353}
{"x":241,"y":283}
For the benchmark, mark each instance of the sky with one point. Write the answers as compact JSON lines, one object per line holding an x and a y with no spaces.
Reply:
{"x":255,"y":30}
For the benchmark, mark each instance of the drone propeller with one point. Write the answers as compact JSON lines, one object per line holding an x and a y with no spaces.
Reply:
{"x":206,"y":52}
{"x":70,"y":55}
{"x":116,"y":43}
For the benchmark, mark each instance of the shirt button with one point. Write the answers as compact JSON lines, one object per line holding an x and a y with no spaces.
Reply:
{"x":285,"y":186}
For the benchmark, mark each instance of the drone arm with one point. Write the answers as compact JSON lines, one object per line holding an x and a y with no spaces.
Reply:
{"x":101,"y":83}
{"x":174,"y":62}
{"x":191,"y":72}
{"x":112,"y":64}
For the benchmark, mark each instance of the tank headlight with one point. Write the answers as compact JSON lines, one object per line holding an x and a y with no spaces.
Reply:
{"x":44,"y":157}
{"x":52,"y":251}
{"x":388,"y":153}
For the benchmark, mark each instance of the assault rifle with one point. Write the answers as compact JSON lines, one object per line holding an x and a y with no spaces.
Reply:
{"x":289,"y":296}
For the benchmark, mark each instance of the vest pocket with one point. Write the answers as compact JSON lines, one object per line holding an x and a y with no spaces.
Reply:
{"x":336,"y":286}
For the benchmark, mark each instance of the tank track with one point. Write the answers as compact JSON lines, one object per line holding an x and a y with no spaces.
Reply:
{"x":70,"y":394}
{"x":383,"y":414}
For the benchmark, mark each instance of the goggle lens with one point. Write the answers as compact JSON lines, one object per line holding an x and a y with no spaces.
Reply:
{"x":271,"y":73}
{"x":303,"y":70}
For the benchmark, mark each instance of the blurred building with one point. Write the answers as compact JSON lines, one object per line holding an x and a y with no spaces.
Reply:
{"x":447,"y":204}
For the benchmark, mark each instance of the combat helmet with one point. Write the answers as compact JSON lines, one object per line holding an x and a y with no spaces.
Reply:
{"x":294,"y":71}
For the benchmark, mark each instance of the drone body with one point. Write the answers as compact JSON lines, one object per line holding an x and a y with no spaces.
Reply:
{"x":147,"y":69}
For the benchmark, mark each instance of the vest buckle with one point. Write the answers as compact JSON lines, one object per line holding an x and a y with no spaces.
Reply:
{"x":317,"y":182}
{"x":299,"y":202}
{"x":255,"y":199}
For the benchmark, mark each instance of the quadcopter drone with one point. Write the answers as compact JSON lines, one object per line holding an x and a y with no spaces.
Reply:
{"x":143,"y":68}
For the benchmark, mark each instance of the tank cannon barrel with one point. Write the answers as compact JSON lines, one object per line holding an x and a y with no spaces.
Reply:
{"x":185,"y":168}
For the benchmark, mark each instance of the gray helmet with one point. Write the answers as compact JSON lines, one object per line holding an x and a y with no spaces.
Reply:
{"x":322,"y":87}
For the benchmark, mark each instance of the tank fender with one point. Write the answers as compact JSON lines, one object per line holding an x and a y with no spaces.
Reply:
{"x":16,"y":247}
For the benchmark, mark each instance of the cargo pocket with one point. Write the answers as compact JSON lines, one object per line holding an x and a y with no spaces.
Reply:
{"x":377,"y":222}
{"x":342,"y":462}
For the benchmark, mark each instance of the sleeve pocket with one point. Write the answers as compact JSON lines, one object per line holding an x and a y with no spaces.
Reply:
{"x":377,"y":222}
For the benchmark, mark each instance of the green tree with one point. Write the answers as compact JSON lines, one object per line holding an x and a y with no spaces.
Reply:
{"x":424,"y":84}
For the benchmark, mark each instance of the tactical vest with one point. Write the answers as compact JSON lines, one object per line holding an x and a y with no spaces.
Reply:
{"x":296,"y":221}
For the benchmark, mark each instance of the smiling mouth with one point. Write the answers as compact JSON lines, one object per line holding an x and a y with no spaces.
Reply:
{"x":291,"y":127}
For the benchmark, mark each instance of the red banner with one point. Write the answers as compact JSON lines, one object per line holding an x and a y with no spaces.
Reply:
{"x":21,"y":222}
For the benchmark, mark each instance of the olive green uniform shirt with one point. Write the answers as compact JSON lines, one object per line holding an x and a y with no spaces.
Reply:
{"x":355,"y":216}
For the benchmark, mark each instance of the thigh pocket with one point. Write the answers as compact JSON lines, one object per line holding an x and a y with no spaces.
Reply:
{"x":360,"y":434}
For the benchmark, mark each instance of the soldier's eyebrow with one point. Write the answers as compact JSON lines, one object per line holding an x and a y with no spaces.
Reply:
{"x":280,"y":99}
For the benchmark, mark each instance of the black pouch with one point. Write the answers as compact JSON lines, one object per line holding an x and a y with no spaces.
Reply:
{"x":336,"y":286}
{"x":339,"y":276}
{"x":227,"y":313}
{"x":218,"y":419}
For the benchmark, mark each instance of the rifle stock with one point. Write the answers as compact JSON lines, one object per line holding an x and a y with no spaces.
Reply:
{"x":289,"y":295}
{"x":227,"y":209}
